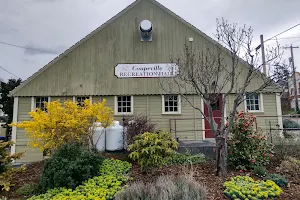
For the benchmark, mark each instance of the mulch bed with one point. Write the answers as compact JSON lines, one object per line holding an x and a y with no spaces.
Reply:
{"x":203,"y":173}
{"x":31,"y":175}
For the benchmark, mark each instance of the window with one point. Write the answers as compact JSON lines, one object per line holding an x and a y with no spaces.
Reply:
{"x":171,"y":104}
{"x":80,"y":100}
{"x":40,"y":102}
{"x":123,"y":105}
{"x":292,"y":91}
{"x":254,"y":102}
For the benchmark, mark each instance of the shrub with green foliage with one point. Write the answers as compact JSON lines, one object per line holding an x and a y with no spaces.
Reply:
{"x":103,"y":187}
{"x":165,"y":188}
{"x":244,"y":187}
{"x":69,"y":167}
{"x":246,"y":147}
{"x":260,"y":171}
{"x":184,"y":159}
{"x":28,"y":189}
{"x":151,"y":149}
{"x":278,"y":179}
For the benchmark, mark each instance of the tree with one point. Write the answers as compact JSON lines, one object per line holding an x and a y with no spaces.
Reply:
{"x":281,"y":74}
{"x":222,"y":68}
{"x":68,"y":122}
{"x":8,"y":102}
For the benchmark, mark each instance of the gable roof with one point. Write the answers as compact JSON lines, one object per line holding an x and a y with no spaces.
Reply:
{"x":56,"y":59}
{"x":128,"y":8}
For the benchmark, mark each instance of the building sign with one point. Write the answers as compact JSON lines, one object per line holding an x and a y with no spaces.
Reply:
{"x":155,"y":70}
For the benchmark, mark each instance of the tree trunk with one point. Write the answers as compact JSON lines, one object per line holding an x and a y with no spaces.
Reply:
{"x":221,"y":154}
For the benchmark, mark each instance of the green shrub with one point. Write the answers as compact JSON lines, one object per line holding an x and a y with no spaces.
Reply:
{"x":246,"y":147}
{"x":260,"y":171}
{"x":6,"y":171}
{"x":244,"y":187}
{"x":103,"y":187}
{"x":69,"y":167}
{"x":278,"y":179}
{"x":290,"y":165}
{"x":184,"y":159}
{"x":151,"y":149}
{"x":165,"y":188}
{"x":114,"y":167}
{"x":28,"y":189}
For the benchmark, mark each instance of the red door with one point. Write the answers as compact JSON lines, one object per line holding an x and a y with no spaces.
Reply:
{"x":216,"y":114}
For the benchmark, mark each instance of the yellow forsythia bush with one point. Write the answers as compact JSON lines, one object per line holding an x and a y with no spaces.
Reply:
{"x":244,"y":187}
{"x":66,"y":122}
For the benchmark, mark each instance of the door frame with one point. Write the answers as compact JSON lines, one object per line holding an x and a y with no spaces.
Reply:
{"x":203,"y":120}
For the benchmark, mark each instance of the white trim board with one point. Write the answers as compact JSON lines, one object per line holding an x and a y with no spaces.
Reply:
{"x":203,"y":120}
{"x":14,"y":129}
{"x":279,"y":113}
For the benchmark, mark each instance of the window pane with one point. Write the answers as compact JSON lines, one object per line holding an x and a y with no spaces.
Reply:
{"x":119,"y":110}
{"x":124,"y":109}
{"x":171,"y":103}
{"x":248,"y":107}
{"x":119,"y":98}
{"x":124,"y":98}
{"x":171,"y":109}
{"x":128,"y":109}
{"x":128,"y":103}
{"x":128,"y":98}
{"x":119,"y":104}
{"x":166,"y":109}
{"x":257,"y":107}
{"x":175,"y":109}
{"x":124,"y":103}
{"x":256,"y":101}
{"x":175,"y":98}
{"x":166,"y":103}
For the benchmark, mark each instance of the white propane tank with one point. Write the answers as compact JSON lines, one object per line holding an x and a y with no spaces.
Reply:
{"x":99,"y":136}
{"x":114,"y":137}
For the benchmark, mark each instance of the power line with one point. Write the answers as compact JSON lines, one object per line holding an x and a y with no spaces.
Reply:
{"x":9,"y":72}
{"x":287,"y":38}
{"x":22,"y":47}
{"x":282,"y":32}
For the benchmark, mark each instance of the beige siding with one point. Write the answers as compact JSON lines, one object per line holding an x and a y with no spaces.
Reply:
{"x":89,"y":68}
{"x":31,"y":155}
{"x":264,"y":119}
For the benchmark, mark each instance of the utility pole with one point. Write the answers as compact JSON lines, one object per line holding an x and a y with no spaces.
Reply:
{"x":294,"y":76}
{"x":262,"y":46}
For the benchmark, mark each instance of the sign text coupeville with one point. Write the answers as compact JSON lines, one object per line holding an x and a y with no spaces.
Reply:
{"x":155,"y":70}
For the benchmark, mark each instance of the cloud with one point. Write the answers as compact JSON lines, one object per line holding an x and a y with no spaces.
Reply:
{"x":36,"y":50}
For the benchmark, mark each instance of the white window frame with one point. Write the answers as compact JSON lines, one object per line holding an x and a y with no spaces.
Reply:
{"x":116,"y":105}
{"x":33,"y":101}
{"x":260,"y":101}
{"x":178,"y":112}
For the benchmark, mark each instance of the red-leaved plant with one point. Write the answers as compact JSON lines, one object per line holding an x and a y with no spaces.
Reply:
{"x":246,"y":147}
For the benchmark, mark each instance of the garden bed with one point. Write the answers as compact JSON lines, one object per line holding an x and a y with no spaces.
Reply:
{"x":202,"y":173}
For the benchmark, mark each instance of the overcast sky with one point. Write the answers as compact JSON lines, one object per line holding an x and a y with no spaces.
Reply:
{"x":53,"y":26}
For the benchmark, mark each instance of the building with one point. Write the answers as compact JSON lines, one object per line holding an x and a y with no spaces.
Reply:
{"x":108,"y":62}
{"x":292,"y":89}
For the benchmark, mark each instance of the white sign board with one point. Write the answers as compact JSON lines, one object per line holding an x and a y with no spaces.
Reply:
{"x":155,"y":70}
